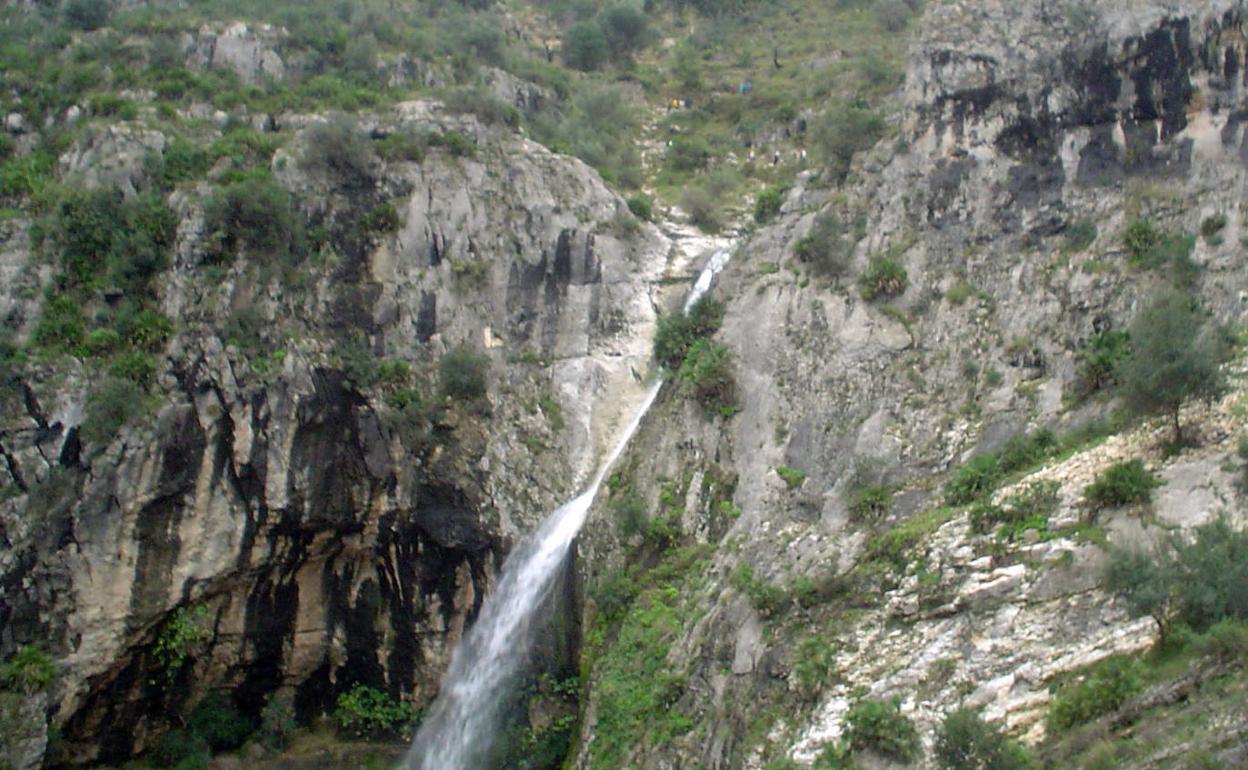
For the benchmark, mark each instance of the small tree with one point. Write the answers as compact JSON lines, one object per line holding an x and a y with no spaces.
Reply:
{"x":1175,"y":357}
{"x":967,"y":742}
{"x":464,"y":374}
{"x":585,"y":47}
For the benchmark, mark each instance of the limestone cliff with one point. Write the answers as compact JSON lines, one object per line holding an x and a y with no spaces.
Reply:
{"x":1021,"y":123}
{"x":274,"y":495}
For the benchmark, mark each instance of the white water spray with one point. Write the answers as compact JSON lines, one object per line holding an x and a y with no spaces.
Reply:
{"x":460,"y":731}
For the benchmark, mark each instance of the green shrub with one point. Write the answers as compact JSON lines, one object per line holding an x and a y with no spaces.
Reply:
{"x":144,"y":329}
{"x":112,"y":404}
{"x":30,"y":670}
{"x":844,"y":130}
{"x":1197,"y":582}
{"x":964,"y":741}
{"x":1211,"y":575}
{"x":1124,"y":483}
{"x":483,"y":104}
{"x":870,"y":504}
{"x":768,"y":204}
{"x":339,"y":149}
{"x":181,"y":160}
{"x":688,"y":153}
{"x":383,"y":219}
{"x":1025,"y":450}
{"x":630,"y":513}
{"x":1227,"y":640}
{"x":365,"y":712}
{"x":884,"y":278}
{"x":1140,"y":238}
{"x":61,"y":327}
{"x":585,"y":47}
{"x":1100,"y":360}
{"x":677,"y":332}
{"x":27,"y":175}
{"x":183,"y":749}
{"x":254,"y":214}
{"x":464,"y":374}
{"x":768,"y":599}
{"x":706,"y":374}
{"x":642,"y":207}
{"x":1174,"y":358}
{"x":135,"y":366}
{"x":625,"y":29}
{"x":879,"y":726}
{"x":702,"y":209}
{"x":219,"y":723}
{"x":183,"y":632}
{"x":973,"y":480}
{"x":792,"y":477}
{"x":825,"y":249}
{"x":455,"y":143}
{"x":401,"y":145}
{"x":1104,"y":689}
{"x":1149,"y":248}
{"x":813,"y":662}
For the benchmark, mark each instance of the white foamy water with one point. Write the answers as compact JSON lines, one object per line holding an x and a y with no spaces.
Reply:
{"x":461,"y":728}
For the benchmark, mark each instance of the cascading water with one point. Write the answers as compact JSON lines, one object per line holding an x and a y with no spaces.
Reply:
{"x":459,"y":732}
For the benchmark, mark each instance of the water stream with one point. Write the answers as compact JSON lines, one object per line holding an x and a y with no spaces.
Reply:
{"x":460,"y":729}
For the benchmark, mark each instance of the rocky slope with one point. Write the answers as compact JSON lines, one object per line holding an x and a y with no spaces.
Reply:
{"x":1021,"y":122}
{"x":275,"y":516}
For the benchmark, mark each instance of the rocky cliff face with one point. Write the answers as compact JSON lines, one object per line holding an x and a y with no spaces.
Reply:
{"x":276,"y":516}
{"x":1021,"y":121}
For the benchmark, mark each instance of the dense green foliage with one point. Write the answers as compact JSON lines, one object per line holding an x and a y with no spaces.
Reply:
{"x":638,"y":691}
{"x":255,"y":215}
{"x":678,"y":332}
{"x":870,"y":504}
{"x":884,"y":277}
{"x":880,"y":727}
{"x":1124,"y":483}
{"x":981,"y":475}
{"x":826,"y":249}
{"x":28,"y":670}
{"x":1175,"y":357}
{"x":768,"y":203}
{"x":111,"y":404}
{"x":366,"y":712}
{"x":1106,"y":687}
{"x":1100,"y":360}
{"x":464,"y":374}
{"x":966,"y":742}
{"x":1197,"y":582}
{"x":706,"y":374}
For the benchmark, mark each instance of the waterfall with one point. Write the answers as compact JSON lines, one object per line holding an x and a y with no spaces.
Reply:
{"x":461,"y":726}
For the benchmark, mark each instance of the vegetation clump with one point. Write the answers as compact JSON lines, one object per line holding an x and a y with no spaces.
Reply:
{"x":464,"y":374}
{"x":879,"y":726}
{"x":366,"y":712}
{"x":884,"y":277}
{"x":1175,"y":357}
{"x":1104,"y":689}
{"x":1100,"y":360}
{"x":678,"y":332}
{"x":254,"y":214}
{"x":1125,"y":483}
{"x":826,"y":250}
{"x":1196,"y":581}
{"x":965,"y":741}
